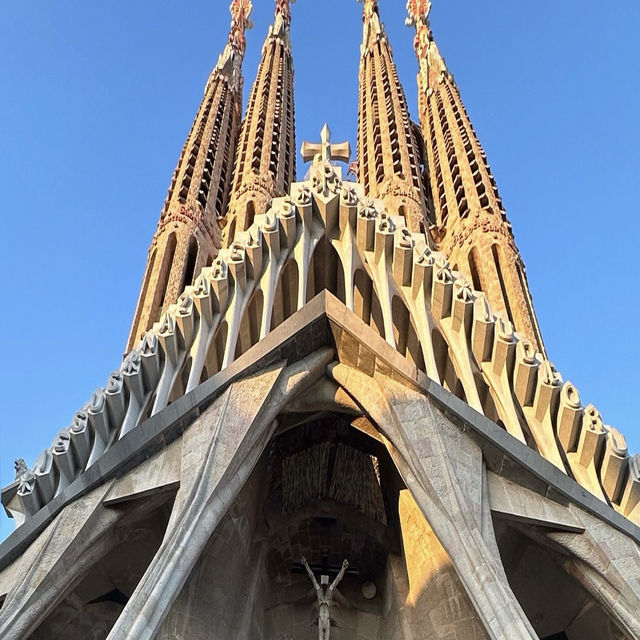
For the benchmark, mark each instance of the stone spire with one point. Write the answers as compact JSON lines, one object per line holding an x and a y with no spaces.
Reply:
{"x":471,"y":225}
{"x":389,"y":158}
{"x":266,"y":155}
{"x":188,"y":234}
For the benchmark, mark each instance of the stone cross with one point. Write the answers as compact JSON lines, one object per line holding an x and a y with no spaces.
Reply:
{"x":325,"y":149}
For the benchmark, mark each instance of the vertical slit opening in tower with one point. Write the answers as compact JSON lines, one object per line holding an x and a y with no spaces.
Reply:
{"x":503,"y":288}
{"x":190,"y":266}
{"x":163,"y":278}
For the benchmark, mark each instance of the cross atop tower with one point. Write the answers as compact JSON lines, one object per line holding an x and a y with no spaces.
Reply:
{"x":328,"y":151}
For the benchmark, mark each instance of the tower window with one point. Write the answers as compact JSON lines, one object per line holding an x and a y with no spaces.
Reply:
{"x":473,"y":270}
{"x":503,"y":287}
{"x":190,"y":265}
{"x":251,"y":214}
{"x":163,"y":279}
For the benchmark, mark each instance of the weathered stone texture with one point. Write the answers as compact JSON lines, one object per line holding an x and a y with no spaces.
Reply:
{"x":440,"y":607}
{"x":318,"y":384}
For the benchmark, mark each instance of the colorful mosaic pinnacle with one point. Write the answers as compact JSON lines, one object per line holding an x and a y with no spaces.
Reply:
{"x":370,"y":17}
{"x":240,"y":22}
{"x":283,"y":8}
{"x":429,"y":59}
{"x":418,"y":11}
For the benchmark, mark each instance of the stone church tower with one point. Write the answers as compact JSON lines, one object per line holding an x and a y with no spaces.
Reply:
{"x":336,"y":417}
{"x":189,"y":230}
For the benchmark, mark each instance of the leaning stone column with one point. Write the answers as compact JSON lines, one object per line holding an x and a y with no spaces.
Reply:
{"x":417,"y":435}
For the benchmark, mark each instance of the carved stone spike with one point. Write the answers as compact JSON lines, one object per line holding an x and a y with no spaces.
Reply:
{"x":592,"y":438}
{"x":422,"y":277}
{"x":28,"y":496}
{"x":383,"y":241}
{"x":98,"y":415}
{"x":442,"y":290}
{"x":615,"y":466}
{"x":168,"y":337}
{"x":525,"y":373}
{"x":132,"y":374}
{"x":63,"y":459}
{"x":570,"y":415}
{"x":504,"y":347}
{"x":631,"y":496}
{"x":462,"y":307}
{"x":81,"y":436}
{"x":185,"y":318}
{"x":46,"y":479}
{"x":547,"y":390}
{"x":403,"y":261}
{"x":150,"y":357}
{"x":116,"y":399}
{"x":365,"y":230}
{"x":482,"y":334}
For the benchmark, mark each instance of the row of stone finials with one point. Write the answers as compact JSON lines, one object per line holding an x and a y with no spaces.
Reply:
{"x":494,"y":370}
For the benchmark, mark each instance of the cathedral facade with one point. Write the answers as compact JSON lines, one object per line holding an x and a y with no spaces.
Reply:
{"x":336,"y":416}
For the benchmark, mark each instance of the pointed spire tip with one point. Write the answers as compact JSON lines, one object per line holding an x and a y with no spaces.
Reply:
{"x":418,"y":12}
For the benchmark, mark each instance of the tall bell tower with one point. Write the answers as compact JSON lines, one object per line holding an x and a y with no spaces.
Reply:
{"x":266,"y":164}
{"x":470,"y":223}
{"x":188,"y":235}
{"x":389,"y":160}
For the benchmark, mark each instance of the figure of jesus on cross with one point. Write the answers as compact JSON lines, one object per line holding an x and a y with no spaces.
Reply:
{"x":324,"y":595}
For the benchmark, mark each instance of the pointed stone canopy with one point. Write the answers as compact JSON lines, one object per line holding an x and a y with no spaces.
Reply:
{"x":325,"y":148}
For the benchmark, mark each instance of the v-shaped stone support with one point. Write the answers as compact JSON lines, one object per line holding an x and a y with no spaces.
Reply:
{"x":222,"y":449}
{"x":83,"y":534}
{"x":418,"y":445}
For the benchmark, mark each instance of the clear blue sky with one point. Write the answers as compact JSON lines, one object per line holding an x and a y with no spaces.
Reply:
{"x":96,"y":101}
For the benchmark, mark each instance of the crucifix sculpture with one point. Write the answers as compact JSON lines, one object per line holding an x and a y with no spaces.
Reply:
{"x":325,"y":149}
{"x":324,"y":596}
